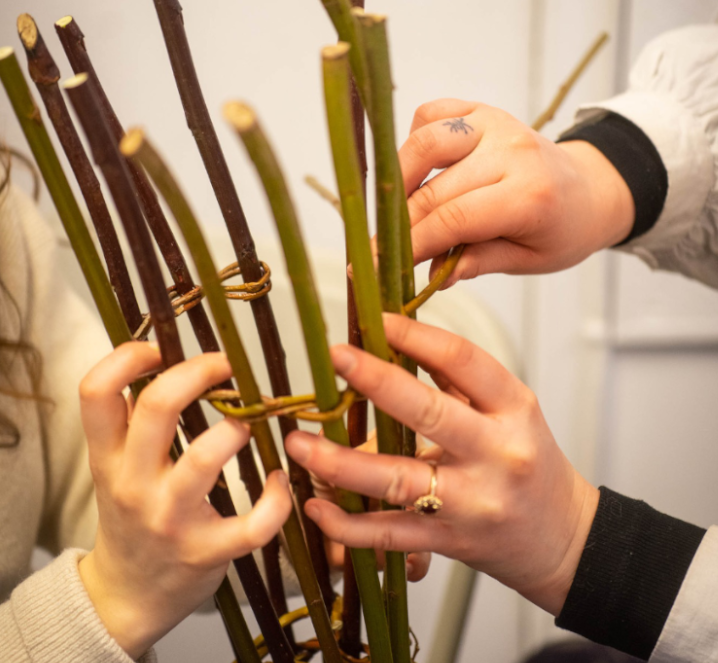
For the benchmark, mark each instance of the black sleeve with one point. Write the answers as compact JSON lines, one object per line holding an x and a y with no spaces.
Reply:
{"x":635,"y":157}
{"x":629,"y":575}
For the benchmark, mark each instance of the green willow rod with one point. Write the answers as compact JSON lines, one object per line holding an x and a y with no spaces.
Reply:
{"x":136,"y":146}
{"x":30,"y":120}
{"x":368,"y":299}
{"x":315,"y":336}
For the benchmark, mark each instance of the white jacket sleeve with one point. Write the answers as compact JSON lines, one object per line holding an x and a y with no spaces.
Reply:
{"x":673,"y":98}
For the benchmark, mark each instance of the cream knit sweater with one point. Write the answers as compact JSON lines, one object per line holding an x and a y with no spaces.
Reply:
{"x":46,"y":491}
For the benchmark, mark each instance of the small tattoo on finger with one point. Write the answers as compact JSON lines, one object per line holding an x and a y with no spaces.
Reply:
{"x":458,"y":124}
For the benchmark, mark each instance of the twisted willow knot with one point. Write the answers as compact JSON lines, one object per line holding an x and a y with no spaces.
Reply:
{"x":182,"y":303}
{"x":295,"y":407}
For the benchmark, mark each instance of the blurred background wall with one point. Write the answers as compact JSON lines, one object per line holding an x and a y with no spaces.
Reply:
{"x":624,"y":361}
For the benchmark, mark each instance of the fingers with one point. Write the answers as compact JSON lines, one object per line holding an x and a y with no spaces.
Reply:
{"x":441,"y":109}
{"x":417,"y":566}
{"x":477,"y":216}
{"x":395,"y":479}
{"x":197,"y":469}
{"x":104,"y":409}
{"x":475,"y":373}
{"x":436,"y":145}
{"x":239,"y":535}
{"x":393,"y":390}
{"x":157,"y":410}
{"x":381,"y":530}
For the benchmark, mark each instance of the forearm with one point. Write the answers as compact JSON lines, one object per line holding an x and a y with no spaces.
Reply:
{"x":50,"y":619}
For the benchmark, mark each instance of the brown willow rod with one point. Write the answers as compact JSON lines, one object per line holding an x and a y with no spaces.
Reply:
{"x":45,"y":74}
{"x":114,"y":169}
{"x":169,"y":13}
{"x":73,"y":42}
{"x":244,"y":121}
{"x":350,"y":638}
{"x":135,"y":144}
{"x":28,"y":114}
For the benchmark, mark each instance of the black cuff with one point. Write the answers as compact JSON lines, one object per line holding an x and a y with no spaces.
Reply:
{"x":635,"y":157}
{"x":629,"y":575}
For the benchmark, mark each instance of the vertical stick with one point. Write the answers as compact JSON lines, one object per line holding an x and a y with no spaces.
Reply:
{"x":72,"y":39}
{"x":115,"y":171}
{"x":350,"y":639}
{"x":45,"y":74}
{"x":30,"y":120}
{"x":245,"y":123}
{"x":169,"y":13}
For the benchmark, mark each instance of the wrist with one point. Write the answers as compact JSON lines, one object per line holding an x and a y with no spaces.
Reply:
{"x":606,"y":193}
{"x":121,"y":615}
{"x":551,"y":593}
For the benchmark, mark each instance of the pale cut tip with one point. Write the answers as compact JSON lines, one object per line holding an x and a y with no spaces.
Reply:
{"x":27,"y":29}
{"x":371,"y":19}
{"x":6,"y":52}
{"x":75,"y":81}
{"x":64,"y":21}
{"x":335,"y":51}
{"x":132,"y":141}
{"x":239,"y":115}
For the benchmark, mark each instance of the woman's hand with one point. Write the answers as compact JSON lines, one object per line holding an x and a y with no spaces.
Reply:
{"x":521,"y":203}
{"x":514,"y":507}
{"x":417,"y":563}
{"x":161,"y":549}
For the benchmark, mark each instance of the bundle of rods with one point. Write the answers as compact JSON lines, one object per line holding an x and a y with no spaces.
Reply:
{"x":357,"y":86}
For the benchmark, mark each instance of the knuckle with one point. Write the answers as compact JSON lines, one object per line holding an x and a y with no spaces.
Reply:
{"x":424,"y":198}
{"x":495,"y":512}
{"x":201,"y":459}
{"x":451,"y":216}
{"x":524,"y":140}
{"x":422,"y":143}
{"x":459,"y":352}
{"x":399,"y":488}
{"x":91,"y":389}
{"x":431,"y":415}
{"x":153,"y":400}
{"x":521,"y":460}
{"x":543,"y":196}
{"x":424,"y":113}
{"x":383,"y":539}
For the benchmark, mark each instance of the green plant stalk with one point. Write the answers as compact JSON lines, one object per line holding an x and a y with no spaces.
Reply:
{"x":31,"y":122}
{"x":315,"y":335}
{"x":135,"y":145}
{"x":345,"y":23}
{"x":368,"y":299}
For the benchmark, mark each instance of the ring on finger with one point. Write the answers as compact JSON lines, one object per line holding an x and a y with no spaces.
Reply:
{"x":429,"y":504}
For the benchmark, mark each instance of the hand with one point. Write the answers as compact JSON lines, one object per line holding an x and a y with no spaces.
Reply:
{"x":417,"y":563}
{"x":521,"y":203}
{"x":514,"y":507}
{"x":161,"y":549}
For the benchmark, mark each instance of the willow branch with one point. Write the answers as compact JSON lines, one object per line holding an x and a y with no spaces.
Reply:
{"x":30,"y":120}
{"x":45,"y":74}
{"x":350,"y":638}
{"x":114,"y":169}
{"x":169,"y":13}
{"x":135,"y":144}
{"x":366,"y":288}
{"x":565,"y":88}
{"x":244,"y":121}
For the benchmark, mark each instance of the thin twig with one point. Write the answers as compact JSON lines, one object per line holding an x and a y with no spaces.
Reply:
{"x":565,"y":88}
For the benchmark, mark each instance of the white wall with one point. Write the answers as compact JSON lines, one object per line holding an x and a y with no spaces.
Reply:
{"x":637,"y":418}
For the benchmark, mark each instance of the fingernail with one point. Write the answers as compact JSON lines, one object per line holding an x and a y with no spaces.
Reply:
{"x":283,"y":479}
{"x":343,"y":359}
{"x":154,"y":345}
{"x":350,"y":271}
{"x":314,"y":512}
{"x":298,"y":448}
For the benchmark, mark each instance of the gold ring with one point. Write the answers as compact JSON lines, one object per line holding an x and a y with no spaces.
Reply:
{"x":429,"y":504}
